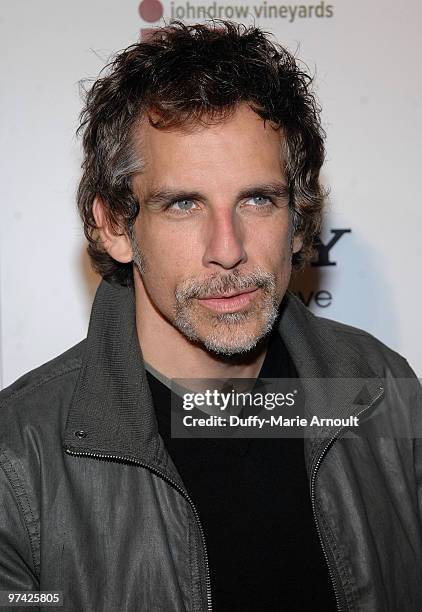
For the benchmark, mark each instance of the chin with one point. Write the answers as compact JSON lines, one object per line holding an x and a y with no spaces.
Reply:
{"x":230,"y":349}
{"x":229,"y":338}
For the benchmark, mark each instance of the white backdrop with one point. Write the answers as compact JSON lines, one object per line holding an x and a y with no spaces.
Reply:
{"x":366,"y":54}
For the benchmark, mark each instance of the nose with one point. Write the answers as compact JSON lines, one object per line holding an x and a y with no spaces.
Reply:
{"x":224,"y":240}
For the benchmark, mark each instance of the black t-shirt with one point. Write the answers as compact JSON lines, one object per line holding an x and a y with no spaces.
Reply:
{"x":253,"y":499}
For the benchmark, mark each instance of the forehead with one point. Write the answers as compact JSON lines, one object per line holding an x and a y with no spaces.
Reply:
{"x":241,"y":144}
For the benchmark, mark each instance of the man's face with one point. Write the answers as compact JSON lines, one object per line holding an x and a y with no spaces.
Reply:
{"x":214,"y":230}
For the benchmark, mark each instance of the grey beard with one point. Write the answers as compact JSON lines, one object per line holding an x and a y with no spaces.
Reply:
{"x":213,"y":341}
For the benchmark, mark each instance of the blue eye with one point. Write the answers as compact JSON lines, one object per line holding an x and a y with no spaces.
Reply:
{"x":262,"y":200}
{"x":180,"y":206}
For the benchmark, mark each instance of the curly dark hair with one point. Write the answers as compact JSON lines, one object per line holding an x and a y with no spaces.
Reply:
{"x":183,"y":74}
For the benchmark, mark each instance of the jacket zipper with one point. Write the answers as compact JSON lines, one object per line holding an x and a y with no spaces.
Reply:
{"x":314,"y":474}
{"x":177,"y":487}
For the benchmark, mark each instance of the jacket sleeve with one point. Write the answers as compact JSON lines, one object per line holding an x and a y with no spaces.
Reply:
{"x":411,"y":392}
{"x":18,"y":538}
{"x":416,"y":413}
{"x":417,"y":452}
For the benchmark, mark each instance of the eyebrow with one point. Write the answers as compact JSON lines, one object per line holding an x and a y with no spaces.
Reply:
{"x":157,"y":198}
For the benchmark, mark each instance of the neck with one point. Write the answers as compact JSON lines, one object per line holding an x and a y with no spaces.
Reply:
{"x":171,"y":353}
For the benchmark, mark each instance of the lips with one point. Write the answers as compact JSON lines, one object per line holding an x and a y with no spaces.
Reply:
{"x":229,"y":302}
{"x":218,"y":296}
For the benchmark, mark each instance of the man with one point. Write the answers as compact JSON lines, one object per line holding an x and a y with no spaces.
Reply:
{"x":200,"y":190}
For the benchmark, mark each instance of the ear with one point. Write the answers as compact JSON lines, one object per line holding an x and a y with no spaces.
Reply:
{"x":117,"y":245}
{"x":297,"y":243}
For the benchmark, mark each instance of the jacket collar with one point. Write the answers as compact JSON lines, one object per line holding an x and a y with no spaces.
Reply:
{"x":112,"y":403}
{"x":321,"y":354}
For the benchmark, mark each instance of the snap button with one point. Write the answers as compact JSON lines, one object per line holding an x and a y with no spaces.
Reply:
{"x":80,"y":434}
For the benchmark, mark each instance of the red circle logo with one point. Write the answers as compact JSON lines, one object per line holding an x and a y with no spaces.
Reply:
{"x":151,"y":10}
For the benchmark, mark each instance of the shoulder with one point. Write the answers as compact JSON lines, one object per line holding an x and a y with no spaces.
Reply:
{"x":33,"y":413}
{"x":40,"y":398}
{"x":376,"y":352}
{"x":349,"y":340}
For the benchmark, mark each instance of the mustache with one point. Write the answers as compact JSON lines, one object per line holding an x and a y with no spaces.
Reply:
{"x":234,"y":281}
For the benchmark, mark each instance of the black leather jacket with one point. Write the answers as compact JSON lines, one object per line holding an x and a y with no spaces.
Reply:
{"x":92,"y":505}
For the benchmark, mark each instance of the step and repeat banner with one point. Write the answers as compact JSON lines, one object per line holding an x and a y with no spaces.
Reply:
{"x":365,"y":56}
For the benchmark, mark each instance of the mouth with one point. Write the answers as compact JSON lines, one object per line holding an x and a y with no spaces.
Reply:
{"x":229,"y":302}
